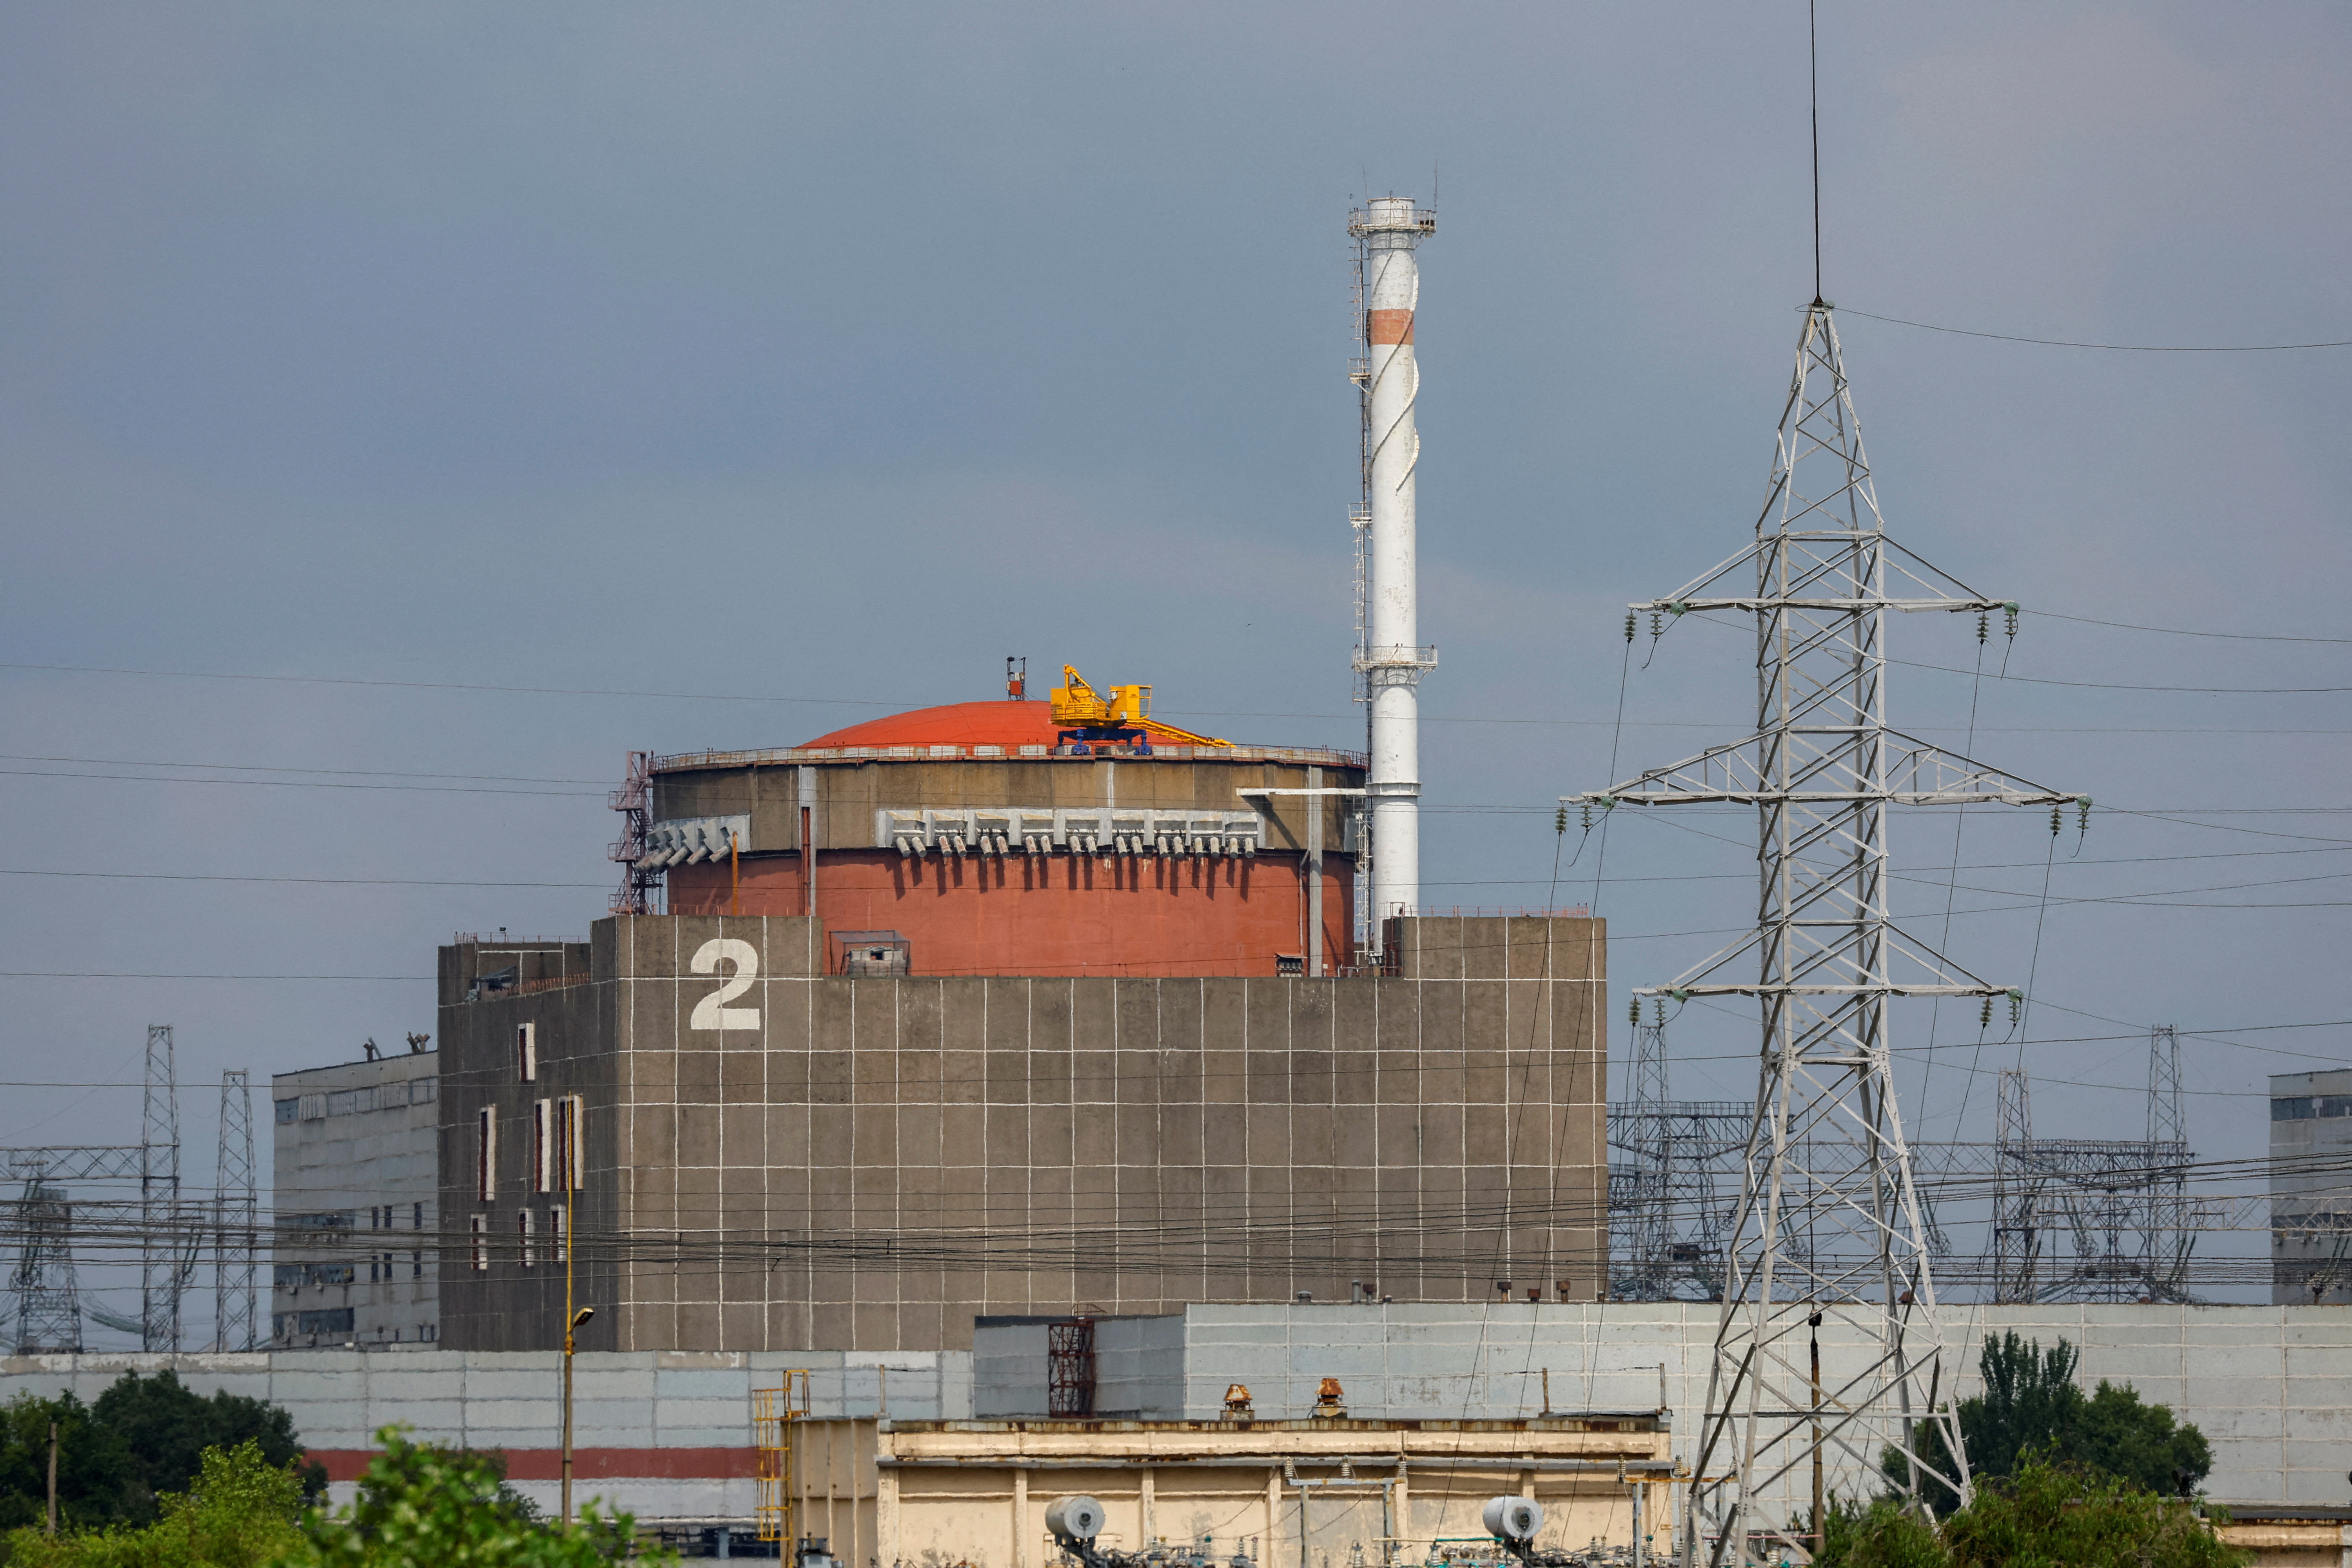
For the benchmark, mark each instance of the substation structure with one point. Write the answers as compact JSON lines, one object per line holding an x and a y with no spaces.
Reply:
{"x":147,"y":1213}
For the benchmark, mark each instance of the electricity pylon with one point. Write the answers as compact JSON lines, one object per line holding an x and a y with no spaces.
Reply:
{"x":234,"y":1242}
{"x":160,"y":1276}
{"x":2016,"y":1194}
{"x":1829,"y":1230}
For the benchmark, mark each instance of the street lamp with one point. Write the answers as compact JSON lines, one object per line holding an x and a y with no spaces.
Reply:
{"x":570,"y":1325}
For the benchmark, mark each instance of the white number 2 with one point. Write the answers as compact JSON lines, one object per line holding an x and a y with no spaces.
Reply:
{"x":711,"y":1012}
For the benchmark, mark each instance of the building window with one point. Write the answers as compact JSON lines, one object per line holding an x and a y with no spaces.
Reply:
{"x":527,"y":1052}
{"x":542,"y":1146}
{"x":313,"y":1107}
{"x":559,"y":1235}
{"x":485,"y":1150}
{"x":288,"y":1109}
{"x":417,"y":1223}
{"x":481,"y":1242}
{"x":522,"y":1231}
{"x":569,"y":1112}
{"x":417,"y":1265}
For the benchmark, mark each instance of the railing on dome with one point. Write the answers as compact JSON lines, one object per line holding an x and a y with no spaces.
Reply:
{"x":1309,"y":756}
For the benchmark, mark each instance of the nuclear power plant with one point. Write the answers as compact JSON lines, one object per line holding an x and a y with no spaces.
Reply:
{"x":975,"y":1103}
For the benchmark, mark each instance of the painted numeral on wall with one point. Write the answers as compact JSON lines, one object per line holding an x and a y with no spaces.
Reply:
{"x":743,"y":960}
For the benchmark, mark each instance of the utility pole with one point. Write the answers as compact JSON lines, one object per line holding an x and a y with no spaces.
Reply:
{"x":1821,"y":1528}
{"x":1828,"y":1219}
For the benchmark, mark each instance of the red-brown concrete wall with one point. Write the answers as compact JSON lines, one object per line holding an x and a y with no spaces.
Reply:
{"x":1066,"y":915}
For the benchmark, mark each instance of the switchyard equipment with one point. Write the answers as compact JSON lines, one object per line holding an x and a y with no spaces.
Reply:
{"x":169,"y":1230}
{"x":2123,"y":1200}
{"x":1829,"y":1220}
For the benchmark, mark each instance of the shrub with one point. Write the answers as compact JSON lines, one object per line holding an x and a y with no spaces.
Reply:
{"x":421,"y":1504}
{"x":240,"y":1513}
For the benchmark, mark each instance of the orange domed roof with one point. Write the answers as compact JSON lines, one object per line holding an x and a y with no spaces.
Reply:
{"x":1008,"y":724}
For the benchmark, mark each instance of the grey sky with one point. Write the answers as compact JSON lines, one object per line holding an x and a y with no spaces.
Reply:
{"x":828,"y":355}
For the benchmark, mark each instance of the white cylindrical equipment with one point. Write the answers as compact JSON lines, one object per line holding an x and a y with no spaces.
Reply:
{"x":1391,"y":230}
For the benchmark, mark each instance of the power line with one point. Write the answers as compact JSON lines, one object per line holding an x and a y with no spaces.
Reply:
{"x":2183,"y":632}
{"x":2112,"y":348}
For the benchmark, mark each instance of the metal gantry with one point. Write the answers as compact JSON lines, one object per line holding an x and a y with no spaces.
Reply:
{"x":1829,"y":1225}
{"x":2123,"y":1202}
{"x":48,"y":1303}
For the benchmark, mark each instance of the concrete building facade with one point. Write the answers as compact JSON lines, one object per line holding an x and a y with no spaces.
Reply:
{"x":2310,"y":1194}
{"x":355,"y":1190}
{"x":772,"y":1155}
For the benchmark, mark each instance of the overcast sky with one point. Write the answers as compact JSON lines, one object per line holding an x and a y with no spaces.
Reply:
{"x":808,"y":360}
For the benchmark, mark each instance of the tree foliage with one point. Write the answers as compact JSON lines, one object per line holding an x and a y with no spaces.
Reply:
{"x":2043,"y":1515}
{"x":422,"y":1504}
{"x":168,"y":1427}
{"x":142,"y":1439}
{"x":239,"y":1512}
{"x":93,"y":1465}
{"x":2032,"y":1407}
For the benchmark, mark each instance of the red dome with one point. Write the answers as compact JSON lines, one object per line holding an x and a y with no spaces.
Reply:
{"x":1006,"y":724}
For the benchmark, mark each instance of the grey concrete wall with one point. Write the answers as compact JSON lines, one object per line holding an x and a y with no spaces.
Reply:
{"x":371,"y":1147}
{"x":2270,"y":1387}
{"x":1139,"y":1366}
{"x":874,"y":1162}
{"x":512,"y":1401}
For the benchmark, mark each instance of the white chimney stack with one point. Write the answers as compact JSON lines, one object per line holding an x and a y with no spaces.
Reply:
{"x":1393,"y":657}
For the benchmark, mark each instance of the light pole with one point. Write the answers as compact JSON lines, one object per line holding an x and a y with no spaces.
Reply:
{"x":570,"y":1323}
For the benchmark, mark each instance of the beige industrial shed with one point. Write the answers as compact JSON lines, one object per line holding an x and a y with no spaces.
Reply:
{"x":1323,"y":1492}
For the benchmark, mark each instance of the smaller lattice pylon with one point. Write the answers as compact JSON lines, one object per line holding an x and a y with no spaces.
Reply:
{"x":776,"y":1415}
{"x":2016,"y":1194}
{"x":236,"y":1311}
{"x":2169,"y":1237}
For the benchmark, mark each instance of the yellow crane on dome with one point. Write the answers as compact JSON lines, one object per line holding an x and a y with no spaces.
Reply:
{"x":1124,"y":714}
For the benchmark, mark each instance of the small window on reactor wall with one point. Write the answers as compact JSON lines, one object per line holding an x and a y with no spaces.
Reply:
{"x":527,"y":1052}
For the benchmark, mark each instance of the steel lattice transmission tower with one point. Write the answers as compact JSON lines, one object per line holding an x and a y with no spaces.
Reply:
{"x":1829,"y":1222}
{"x":236,"y":1214}
{"x":2169,"y":1236}
{"x":2016,"y":1194}
{"x":160,"y":1275}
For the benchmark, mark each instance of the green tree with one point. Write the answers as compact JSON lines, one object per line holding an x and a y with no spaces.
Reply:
{"x":167,"y":1427}
{"x":2032,"y":1407}
{"x":239,"y":1512}
{"x":2140,"y":1443}
{"x":93,"y":1463}
{"x":419,"y":1504}
{"x":2043,"y":1515}
{"x":2071,"y":1516}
